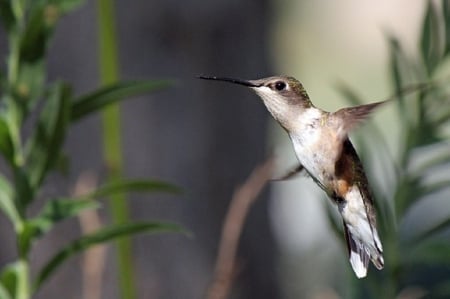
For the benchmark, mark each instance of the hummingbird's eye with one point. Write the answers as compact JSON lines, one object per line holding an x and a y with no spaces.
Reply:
{"x":280,"y":85}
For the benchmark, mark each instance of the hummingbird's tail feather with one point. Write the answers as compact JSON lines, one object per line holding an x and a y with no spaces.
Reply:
{"x":360,"y":253}
{"x":359,"y":258}
{"x":363,"y":242}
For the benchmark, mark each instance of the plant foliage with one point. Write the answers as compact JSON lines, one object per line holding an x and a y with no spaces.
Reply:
{"x":24,"y":90}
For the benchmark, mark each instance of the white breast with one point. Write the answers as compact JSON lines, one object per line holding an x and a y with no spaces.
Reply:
{"x":307,"y":138}
{"x":306,"y":128}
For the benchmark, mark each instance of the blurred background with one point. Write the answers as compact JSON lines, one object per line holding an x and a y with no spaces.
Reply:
{"x":207,"y":137}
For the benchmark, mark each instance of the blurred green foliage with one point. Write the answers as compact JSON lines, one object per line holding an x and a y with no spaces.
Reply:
{"x":416,"y":248}
{"x":31,"y":157}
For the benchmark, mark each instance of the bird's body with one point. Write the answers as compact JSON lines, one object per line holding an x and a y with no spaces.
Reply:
{"x":321,"y":144}
{"x":344,"y":181}
{"x":335,"y":167}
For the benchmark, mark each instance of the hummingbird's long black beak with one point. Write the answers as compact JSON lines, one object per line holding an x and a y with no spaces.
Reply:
{"x":236,"y":81}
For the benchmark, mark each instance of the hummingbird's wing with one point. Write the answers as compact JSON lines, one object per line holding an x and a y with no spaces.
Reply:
{"x":342,"y":122}
{"x":348,"y":118}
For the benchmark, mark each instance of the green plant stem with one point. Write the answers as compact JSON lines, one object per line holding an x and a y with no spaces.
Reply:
{"x":23,"y":286}
{"x":112,"y":140}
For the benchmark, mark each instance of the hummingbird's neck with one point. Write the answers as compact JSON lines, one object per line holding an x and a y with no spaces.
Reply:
{"x":288,"y":115}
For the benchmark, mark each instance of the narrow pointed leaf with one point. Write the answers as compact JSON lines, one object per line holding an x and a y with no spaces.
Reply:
{"x":37,"y":31}
{"x":32,"y":83}
{"x":44,"y":149}
{"x":42,"y":19}
{"x":24,"y":192}
{"x":446,"y":10}
{"x":105,"y":96}
{"x":66,"y":6}
{"x":409,"y":189}
{"x":7,"y":205}
{"x":429,"y":233}
{"x":424,"y":134}
{"x":397,"y":62}
{"x":103,"y":235}
{"x":434,"y":161}
{"x":436,"y":187}
{"x":124,"y":186}
{"x":442,"y":119}
{"x":53,"y":212}
{"x":430,"y":40}
{"x":6,"y":145}
{"x":58,"y":210}
{"x":428,"y":253}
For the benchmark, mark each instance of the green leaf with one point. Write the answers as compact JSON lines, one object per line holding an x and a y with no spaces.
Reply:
{"x":66,"y":6}
{"x":60,"y":209}
{"x":431,"y":232}
{"x":397,"y":60}
{"x":35,"y":38}
{"x":386,"y":212}
{"x":30,"y":86}
{"x":430,"y":40}
{"x":44,"y":149}
{"x":434,"y":187}
{"x":446,"y":10}
{"x":107,"y":234}
{"x":124,"y":186}
{"x":6,"y":144}
{"x":7,"y":202}
{"x":42,"y":18}
{"x":24,"y":192}
{"x":53,"y":212}
{"x":61,"y":6}
{"x":443,"y":118}
{"x":11,"y":278}
{"x":433,"y":252}
{"x":424,"y":133}
{"x":434,"y":161}
{"x":104,"y":96}
{"x":408,"y":190}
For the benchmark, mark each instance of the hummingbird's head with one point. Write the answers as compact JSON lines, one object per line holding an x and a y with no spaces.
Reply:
{"x":284,"y":96}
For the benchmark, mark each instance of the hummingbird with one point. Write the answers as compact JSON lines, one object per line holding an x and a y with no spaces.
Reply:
{"x":325,"y":153}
